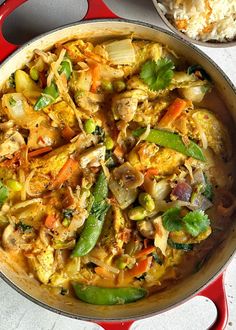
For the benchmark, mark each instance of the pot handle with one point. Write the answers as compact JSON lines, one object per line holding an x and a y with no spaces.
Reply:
{"x":216,"y":293}
{"x":5,"y":9}
{"x":98,"y":9}
{"x":116,"y":325}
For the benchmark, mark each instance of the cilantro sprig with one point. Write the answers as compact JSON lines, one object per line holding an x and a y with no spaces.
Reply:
{"x":194,"y":222}
{"x":157,"y":74}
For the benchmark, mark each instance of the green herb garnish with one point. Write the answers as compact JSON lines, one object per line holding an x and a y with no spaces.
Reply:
{"x":157,"y":75}
{"x":194,"y":223}
{"x":171,"y":219}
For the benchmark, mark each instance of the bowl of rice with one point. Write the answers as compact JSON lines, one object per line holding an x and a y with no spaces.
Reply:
{"x":209,"y":23}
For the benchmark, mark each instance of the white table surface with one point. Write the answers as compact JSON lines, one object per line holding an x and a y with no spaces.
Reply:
{"x":17,"y":313}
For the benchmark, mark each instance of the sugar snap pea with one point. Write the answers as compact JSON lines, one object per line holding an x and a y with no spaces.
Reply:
{"x":108,"y":296}
{"x":94,"y":223}
{"x":172,"y":141}
{"x":51,"y":93}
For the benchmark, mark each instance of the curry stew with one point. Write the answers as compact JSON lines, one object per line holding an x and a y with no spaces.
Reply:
{"x":115,"y":168}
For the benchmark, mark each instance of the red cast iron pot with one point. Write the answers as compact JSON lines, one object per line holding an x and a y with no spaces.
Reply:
{"x":100,"y":22}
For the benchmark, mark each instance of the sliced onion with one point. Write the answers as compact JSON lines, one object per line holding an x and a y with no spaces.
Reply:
{"x":103,"y":265}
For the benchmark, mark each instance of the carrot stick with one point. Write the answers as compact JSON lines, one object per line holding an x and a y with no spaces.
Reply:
{"x":68,"y":133}
{"x":50,"y":221}
{"x":118,"y":151}
{"x":173,"y":111}
{"x":140,"y":267}
{"x":95,"y":78}
{"x":39,"y":152}
{"x":65,"y":173}
{"x":145,"y":252}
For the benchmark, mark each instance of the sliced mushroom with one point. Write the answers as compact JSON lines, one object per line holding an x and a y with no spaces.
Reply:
{"x":10,"y":241}
{"x":128,"y":176}
{"x":12,"y":141}
{"x":92,"y":156}
{"x":124,"y":105}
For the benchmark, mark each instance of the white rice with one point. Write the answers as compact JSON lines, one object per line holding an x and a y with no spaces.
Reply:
{"x":203,"y":19}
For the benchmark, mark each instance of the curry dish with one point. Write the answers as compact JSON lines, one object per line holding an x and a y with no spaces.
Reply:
{"x":115,"y":167}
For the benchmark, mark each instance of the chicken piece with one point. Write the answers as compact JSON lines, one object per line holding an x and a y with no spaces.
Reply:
{"x":116,"y":231}
{"x":14,"y":239}
{"x":43,"y":263}
{"x":93,"y":156}
{"x":61,"y":114}
{"x":216,"y":134}
{"x":88,"y":101}
{"x":12,"y":142}
{"x":149,"y":112}
{"x":144,"y":50}
{"x":49,"y":165}
{"x":81,"y":81}
{"x":148,"y":155}
{"x":124,"y":105}
{"x":42,"y":136}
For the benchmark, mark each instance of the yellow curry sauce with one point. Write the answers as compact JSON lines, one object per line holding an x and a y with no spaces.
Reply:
{"x":115,"y":166}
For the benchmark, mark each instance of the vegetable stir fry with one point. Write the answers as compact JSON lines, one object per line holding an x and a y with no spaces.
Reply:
{"x":115,"y":176}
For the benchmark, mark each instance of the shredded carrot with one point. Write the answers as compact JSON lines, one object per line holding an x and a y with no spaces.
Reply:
{"x":39,"y":152}
{"x":95,"y":77}
{"x":181,"y":24}
{"x":65,"y":173}
{"x":68,"y":133}
{"x":119,"y":151}
{"x":50,"y":221}
{"x":140,"y":267}
{"x":145,"y":252}
{"x":151,"y":172}
{"x":103,"y":273}
{"x":173,"y":111}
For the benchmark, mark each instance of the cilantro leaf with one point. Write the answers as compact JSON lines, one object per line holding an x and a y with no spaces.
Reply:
{"x":171,"y":219}
{"x":157,"y":75}
{"x":3,"y":193}
{"x":196,"y":222}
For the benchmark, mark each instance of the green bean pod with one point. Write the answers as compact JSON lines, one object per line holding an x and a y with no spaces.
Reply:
{"x":94,"y":223}
{"x":51,"y":93}
{"x":108,"y":296}
{"x":172,"y":141}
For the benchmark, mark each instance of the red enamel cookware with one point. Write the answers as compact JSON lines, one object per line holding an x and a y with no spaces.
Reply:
{"x":100,"y":22}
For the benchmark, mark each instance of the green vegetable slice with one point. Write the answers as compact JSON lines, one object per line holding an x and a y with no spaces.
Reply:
{"x":180,"y":246}
{"x":108,"y":296}
{"x":171,"y":219}
{"x":157,"y":75}
{"x":3,"y":193}
{"x":172,"y":141}
{"x":196,"y":222}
